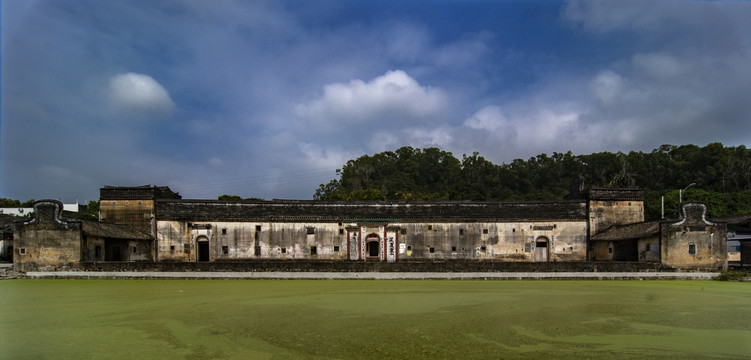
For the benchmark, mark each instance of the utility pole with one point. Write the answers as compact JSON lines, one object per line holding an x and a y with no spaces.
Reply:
{"x":680,"y":192}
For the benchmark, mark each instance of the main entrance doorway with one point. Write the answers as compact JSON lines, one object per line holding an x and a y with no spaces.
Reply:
{"x":541,"y":249}
{"x":203,"y":249}
{"x":373,"y":246}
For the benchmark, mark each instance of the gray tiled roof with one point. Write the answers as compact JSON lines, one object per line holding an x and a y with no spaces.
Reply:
{"x":302,"y":210}
{"x":628,"y":232}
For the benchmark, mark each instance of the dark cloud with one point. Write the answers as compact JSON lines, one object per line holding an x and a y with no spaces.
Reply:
{"x":268,"y":98}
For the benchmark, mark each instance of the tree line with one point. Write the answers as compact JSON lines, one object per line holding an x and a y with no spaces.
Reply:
{"x":717,"y":175}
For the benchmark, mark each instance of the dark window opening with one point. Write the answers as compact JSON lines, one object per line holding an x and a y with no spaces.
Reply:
{"x":284,"y":250}
{"x":403,"y":231}
{"x":313,"y":250}
{"x":648,"y":247}
{"x":432,"y":250}
{"x":483,"y":248}
{"x":97,"y":251}
{"x":430,"y":227}
{"x":134,"y":249}
{"x":513,"y":230}
{"x":186,"y":248}
{"x":23,"y":251}
{"x":258,"y":227}
{"x":484,"y":231}
{"x":224,"y":231}
{"x":461,"y":232}
{"x":257,"y":251}
{"x":336,"y":248}
{"x":225,"y":250}
{"x":171,"y":248}
{"x":453,"y":249}
{"x":409,"y":247}
{"x":610,"y":250}
{"x":311,"y":230}
{"x":691,"y":249}
{"x":341,"y":231}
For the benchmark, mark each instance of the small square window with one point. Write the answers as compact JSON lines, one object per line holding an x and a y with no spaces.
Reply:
{"x":225,"y":250}
{"x":284,"y":250}
{"x":610,"y":250}
{"x":403,"y":231}
{"x":257,"y":251}
{"x":648,"y":247}
{"x":171,"y":248}
{"x":336,"y":248}
{"x":485,"y":231}
{"x":430,"y":227}
{"x":483,"y":248}
{"x":691,"y":249}
{"x":432,"y":250}
{"x":453,"y":249}
{"x":409,"y":247}
{"x":313,"y":250}
{"x":134,"y":249}
{"x":311,"y":230}
{"x":186,"y":248}
{"x":341,"y":231}
{"x":258,"y":227}
{"x":224,"y":231}
{"x":461,"y":232}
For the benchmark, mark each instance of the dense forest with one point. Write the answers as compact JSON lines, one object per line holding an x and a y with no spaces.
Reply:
{"x":714,"y":174}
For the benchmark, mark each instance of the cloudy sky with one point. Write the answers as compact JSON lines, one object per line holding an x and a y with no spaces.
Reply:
{"x":268,"y":98}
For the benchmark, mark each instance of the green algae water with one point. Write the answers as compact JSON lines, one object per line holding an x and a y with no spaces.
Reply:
{"x":318,"y":319}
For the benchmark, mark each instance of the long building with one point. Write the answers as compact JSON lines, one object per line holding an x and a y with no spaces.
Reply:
{"x":153,"y":223}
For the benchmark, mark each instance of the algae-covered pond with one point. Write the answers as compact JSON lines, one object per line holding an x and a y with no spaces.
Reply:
{"x":318,"y":319}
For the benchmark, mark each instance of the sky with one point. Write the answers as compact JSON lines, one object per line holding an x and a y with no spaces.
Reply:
{"x":268,"y":98}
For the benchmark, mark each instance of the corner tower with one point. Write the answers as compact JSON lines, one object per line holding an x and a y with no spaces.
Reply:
{"x":133,"y":205}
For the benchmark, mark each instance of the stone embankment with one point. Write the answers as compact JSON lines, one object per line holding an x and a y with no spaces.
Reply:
{"x":7,"y":272}
{"x":373,"y":275}
{"x":372,"y":270}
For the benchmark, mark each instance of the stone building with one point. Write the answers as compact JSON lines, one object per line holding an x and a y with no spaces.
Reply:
{"x":151,"y":223}
{"x":49,"y":241}
{"x":689,"y":242}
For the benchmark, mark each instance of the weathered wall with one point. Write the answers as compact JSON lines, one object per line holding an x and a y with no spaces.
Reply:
{"x":94,"y":248}
{"x":47,"y":241}
{"x":606,"y":213}
{"x":136,"y":213}
{"x":649,"y":249}
{"x":694,"y":242}
{"x":181,"y":240}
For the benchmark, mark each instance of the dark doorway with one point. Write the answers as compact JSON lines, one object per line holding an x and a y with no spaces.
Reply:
{"x":372,"y":247}
{"x":203,"y":251}
{"x":541,"y":249}
{"x":115,"y":254}
{"x":114,"y":250}
{"x":626,"y":250}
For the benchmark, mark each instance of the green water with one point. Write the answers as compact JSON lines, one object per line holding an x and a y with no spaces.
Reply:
{"x":310,"y":319}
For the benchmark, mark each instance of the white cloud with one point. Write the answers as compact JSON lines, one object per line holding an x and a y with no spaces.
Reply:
{"x":607,"y":87}
{"x":140,"y":93}
{"x":489,"y":118}
{"x":392,"y":96}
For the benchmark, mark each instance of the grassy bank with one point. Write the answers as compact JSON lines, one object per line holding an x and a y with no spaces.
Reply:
{"x":183,"y":319}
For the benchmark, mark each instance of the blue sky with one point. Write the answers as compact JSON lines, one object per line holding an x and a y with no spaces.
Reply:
{"x":268,"y":98}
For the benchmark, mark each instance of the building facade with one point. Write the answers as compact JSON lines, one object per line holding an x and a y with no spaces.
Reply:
{"x":150,"y":223}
